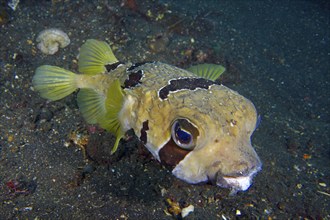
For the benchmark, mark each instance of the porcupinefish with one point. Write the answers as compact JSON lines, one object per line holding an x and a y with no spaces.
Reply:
{"x":187,"y":120}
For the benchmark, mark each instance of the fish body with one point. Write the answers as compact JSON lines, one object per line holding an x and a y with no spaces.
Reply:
{"x":197,"y":127}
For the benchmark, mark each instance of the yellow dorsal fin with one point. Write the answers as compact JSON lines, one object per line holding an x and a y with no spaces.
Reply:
{"x":93,"y":57}
{"x":113,"y":103}
{"x":207,"y":71}
{"x":53,"y":82}
{"x":91,"y":105}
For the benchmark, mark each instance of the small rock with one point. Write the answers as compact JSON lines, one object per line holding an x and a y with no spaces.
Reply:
{"x":187,"y":210}
{"x":50,"y":40}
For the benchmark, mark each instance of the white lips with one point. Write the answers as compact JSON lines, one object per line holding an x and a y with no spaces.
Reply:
{"x":241,"y":183}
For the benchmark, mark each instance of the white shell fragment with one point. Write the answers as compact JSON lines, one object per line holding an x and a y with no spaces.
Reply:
{"x":51,"y":39}
{"x":13,"y":4}
{"x":185,"y":211}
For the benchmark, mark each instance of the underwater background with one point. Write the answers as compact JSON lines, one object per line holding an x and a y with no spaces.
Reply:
{"x":55,"y":166}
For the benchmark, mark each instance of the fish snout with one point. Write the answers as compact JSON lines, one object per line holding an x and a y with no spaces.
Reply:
{"x":239,"y":180}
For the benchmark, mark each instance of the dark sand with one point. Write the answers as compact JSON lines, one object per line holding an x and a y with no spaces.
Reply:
{"x":276,"y":54}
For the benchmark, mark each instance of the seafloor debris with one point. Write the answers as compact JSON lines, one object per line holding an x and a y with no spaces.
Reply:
{"x":50,"y":40}
{"x":4,"y":17}
{"x":13,"y":4}
{"x":187,"y":210}
{"x":80,"y":140}
{"x":178,"y":210}
{"x":131,"y":4}
{"x":19,"y":186}
{"x":158,"y":43}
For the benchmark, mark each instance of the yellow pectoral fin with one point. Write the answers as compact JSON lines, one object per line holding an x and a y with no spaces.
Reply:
{"x":93,"y":57}
{"x":207,"y":71}
{"x":119,"y":136}
{"x":91,"y":105}
{"x":53,"y":82}
{"x":113,"y":104}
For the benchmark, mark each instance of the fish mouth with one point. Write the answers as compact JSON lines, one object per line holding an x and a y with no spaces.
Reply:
{"x":236,"y":182}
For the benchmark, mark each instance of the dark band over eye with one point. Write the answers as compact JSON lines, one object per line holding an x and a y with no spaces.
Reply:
{"x":184,"y":135}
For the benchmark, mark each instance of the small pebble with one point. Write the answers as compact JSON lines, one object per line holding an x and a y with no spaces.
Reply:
{"x":187,"y":210}
{"x":323,"y":184}
{"x":281,"y":205}
{"x":88,"y":169}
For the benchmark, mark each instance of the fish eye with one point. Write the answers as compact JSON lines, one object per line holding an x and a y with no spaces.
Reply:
{"x":184,"y":134}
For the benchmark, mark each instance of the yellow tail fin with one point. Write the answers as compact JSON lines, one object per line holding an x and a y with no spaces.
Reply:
{"x":53,"y":82}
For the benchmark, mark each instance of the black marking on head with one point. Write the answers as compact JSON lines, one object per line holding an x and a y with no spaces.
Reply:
{"x":144,"y":129}
{"x":185,"y":83}
{"x":113,"y":66}
{"x":133,"y":79}
{"x":170,"y":154}
{"x":135,"y":65}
